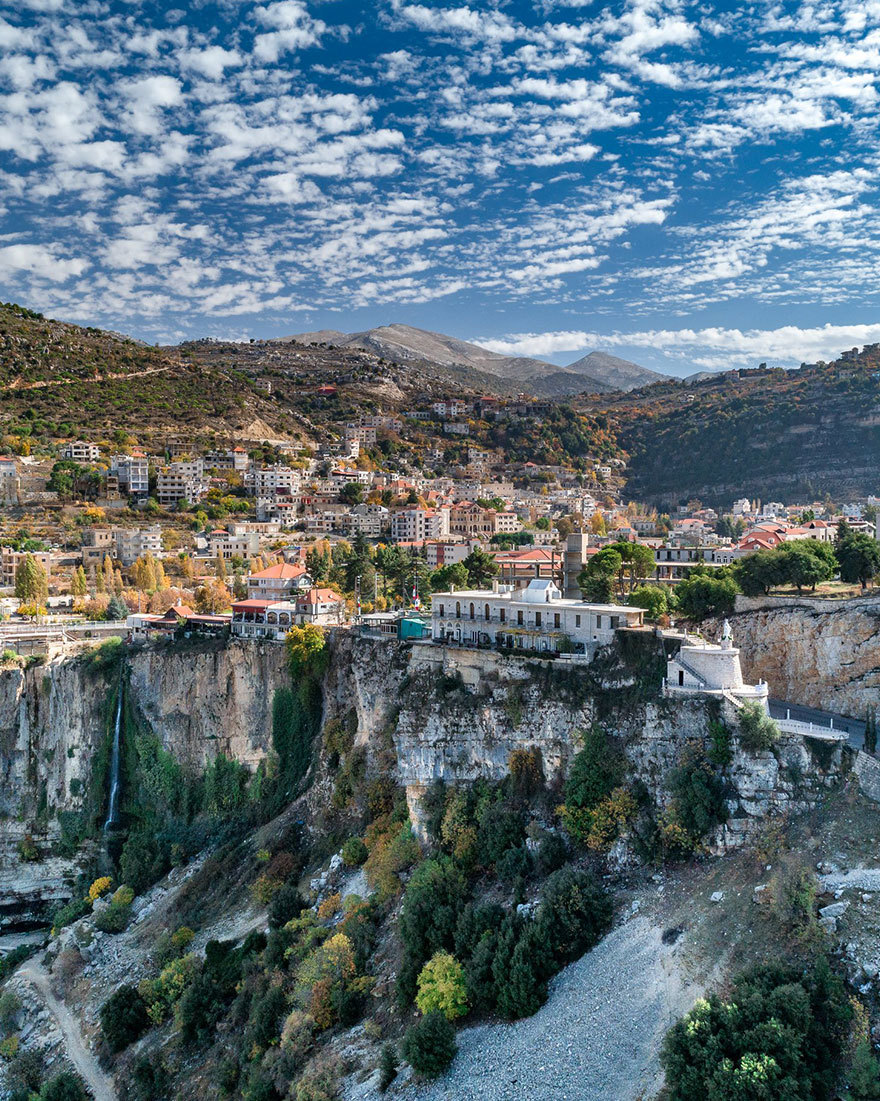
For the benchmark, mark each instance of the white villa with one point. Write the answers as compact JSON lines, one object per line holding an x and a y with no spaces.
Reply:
{"x":709,"y":668}
{"x":536,"y":617}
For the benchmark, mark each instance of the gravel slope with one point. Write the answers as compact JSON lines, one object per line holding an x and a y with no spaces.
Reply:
{"x":596,"y":1039}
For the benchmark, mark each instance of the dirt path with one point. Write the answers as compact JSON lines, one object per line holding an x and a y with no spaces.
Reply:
{"x":596,"y":1039}
{"x":85,"y":1063}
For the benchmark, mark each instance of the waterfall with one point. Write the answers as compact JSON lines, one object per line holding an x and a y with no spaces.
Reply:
{"x":113,"y":807}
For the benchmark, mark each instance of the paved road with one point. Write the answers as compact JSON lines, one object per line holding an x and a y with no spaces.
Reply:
{"x":779,"y":709}
{"x":86,"y":1064}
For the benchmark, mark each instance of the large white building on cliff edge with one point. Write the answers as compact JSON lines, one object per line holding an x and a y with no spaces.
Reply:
{"x":536,"y":617}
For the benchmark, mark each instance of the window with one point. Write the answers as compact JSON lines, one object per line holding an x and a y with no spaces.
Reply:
{"x":488,"y":612}
{"x":502,"y":614}
{"x":537,"y":619}
{"x":615,"y":622}
{"x":442,"y":610}
{"x":519,"y":617}
{"x":556,"y":620}
{"x":577,"y":619}
{"x":598,"y":623}
{"x":472,"y":611}
{"x":458,"y":609}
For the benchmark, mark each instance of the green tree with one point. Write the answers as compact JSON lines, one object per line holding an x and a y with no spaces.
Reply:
{"x":859,"y":557}
{"x":595,"y":771}
{"x":124,"y":1018}
{"x":703,"y":595}
{"x":31,"y":582}
{"x":429,"y":1046}
{"x":864,"y":1074}
{"x":596,"y":579}
{"x":63,"y":1087}
{"x":779,"y":1037}
{"x":117,"y":609}
{"x":441,"y":987}
{"x":757,"y":731}
{"x":481,"y":568}
{"x":653,"y":598}
{"x":801,"y":567}
{"x":446,"y":578}
{"x":756,"y":574}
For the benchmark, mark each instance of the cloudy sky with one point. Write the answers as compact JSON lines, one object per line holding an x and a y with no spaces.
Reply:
{"x":690,"y":185}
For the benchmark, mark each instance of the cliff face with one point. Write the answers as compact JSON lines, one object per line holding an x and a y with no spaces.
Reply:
{"x":819,"y":653}
{"x":425,"y":712}
{"x":55,"y":731}
{"x":209,"y":698}
{"x":53,"y":725}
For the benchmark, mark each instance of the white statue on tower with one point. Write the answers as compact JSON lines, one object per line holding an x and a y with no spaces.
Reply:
{"x":726,"y":636}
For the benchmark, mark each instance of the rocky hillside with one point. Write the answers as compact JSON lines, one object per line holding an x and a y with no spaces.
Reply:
{"x":62,"y":379}
{"x":764,"y":433}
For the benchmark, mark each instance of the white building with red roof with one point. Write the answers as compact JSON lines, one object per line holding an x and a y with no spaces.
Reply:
{"x":279,"y":582}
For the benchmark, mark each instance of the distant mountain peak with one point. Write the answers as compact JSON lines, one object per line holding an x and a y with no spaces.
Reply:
{"x":598,"y":372}
{"x":616,"y":373}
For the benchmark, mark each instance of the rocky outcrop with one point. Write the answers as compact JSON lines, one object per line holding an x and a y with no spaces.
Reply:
{"x":205,"y":698}
{"x":818,"y":653}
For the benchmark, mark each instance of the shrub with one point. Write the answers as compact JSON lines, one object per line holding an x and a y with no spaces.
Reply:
{"x":298,"y":1035}
{"x":551,"y":854}
{"x":9,"y":1048}
{"x":286,"y":904}
{"x":441,"y":987}
{"x":757,"y":731}
{"x":429,"y":1045}
{"x":697,"y":794}
{"x":150,"y":1080}
{"x":595,"y":771}
{"x":387,"y":1067}
{"x":113,"y":918}
{"x":100,"y":887}
{"x":321,"y":1083}
{"x":63,"y":1087}
{"x":10,"y":1006}
{"x":69,"y":913}
{"x":124,"y":1018}
{"x":575,"y":913}
{"x":354,"y":852}
{"x":27,"y":850}
{"x":779,"y":1037}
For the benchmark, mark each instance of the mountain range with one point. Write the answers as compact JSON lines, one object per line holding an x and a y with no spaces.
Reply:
{"x":598,"y":372}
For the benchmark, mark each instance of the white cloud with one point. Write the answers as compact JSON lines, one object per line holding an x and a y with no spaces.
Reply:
{"x":40,"y":261}
{"x":212,"y":61}
{"x":787,"y":345}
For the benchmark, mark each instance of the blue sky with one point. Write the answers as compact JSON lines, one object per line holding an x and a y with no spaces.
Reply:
{"x":692,"y":186}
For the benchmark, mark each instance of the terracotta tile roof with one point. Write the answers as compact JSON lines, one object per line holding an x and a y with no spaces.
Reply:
{"x":284,"y":571}
{"x":320,"y":596}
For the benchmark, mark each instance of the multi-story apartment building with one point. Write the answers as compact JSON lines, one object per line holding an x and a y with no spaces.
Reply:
{"x":264,"y":481}
{"x":234,"y":458}
{"x":446,"y":553}
{"x":79,"y":451}
{"x":279,"y":508}
{"x":414,"y":525}
{"x":363,"y":434}
{"x":125,"y":545}
{"x":133,"y":543}
{"x":182,"y":480}
{"x":10,"y":484}
{"x":223,"y":544}
{"x":133,"y":472}
{"x":371,"y":521}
